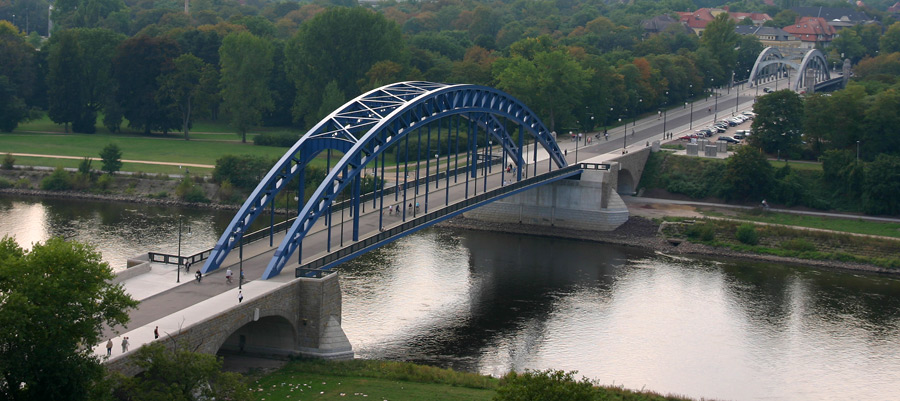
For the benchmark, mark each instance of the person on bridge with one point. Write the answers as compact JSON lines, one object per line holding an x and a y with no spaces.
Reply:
{"x":156,"y":332}
{"x":240,"y":297}
{"x":124,"y":345}
{"x":228,"y":276}
{"x":198,"y":275}
{"x":109,"y":347}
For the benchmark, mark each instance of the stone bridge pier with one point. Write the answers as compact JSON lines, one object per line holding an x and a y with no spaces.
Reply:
{"x":299,"y":317}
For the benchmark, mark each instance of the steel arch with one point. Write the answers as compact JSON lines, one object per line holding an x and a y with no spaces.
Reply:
{"x":362,"y":129}
{"x":768,"y":54}
{"x":816,"y":59}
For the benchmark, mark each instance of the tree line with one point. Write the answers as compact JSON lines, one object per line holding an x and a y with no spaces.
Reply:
{"x":289,"y":64}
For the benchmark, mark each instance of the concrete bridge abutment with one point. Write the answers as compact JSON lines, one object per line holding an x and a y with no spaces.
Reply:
{"x":587,"y":203}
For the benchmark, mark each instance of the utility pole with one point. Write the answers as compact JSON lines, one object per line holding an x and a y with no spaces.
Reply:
{"x":187,"y":10}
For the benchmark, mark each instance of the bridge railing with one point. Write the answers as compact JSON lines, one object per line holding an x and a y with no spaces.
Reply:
{"x":258,"y":235}
{"x":327,"y":260}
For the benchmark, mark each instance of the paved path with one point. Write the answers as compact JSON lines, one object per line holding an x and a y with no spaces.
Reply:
{"x":123,"y":160}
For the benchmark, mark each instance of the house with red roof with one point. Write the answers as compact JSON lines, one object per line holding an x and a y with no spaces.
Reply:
{"x":697,"y":20}
{"x":811,"y":31}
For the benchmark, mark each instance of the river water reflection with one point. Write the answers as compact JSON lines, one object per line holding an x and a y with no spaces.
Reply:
{"x":488,"y":303}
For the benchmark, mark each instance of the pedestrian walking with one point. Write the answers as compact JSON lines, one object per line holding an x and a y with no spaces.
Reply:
{"x":109,"y":347}
{"x":156,"y":332}
{"x":124,"y":345}
{"x":198,"y":275}
{"x":187,"y":266}
{"x":390,"y":210}
{"x":240,"y":297}
{"x":242,"y":277}
{"x":228,"y":276}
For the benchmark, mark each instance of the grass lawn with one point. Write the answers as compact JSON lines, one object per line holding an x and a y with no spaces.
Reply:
{"x":843,"y":225}
{"x":316,"y":386}
{"x":160,"y":149}
{"x":368,"y":379}
{"x":811,"y":166}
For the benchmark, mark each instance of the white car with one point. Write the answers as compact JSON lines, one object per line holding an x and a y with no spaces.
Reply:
{"x":749,"y":114}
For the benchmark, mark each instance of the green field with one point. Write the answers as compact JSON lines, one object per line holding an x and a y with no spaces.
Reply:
{"x":856,"y":226}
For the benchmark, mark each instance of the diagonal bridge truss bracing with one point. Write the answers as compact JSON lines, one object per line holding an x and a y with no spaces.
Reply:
{"x":771,"y":62}
{"x":362,"y":130}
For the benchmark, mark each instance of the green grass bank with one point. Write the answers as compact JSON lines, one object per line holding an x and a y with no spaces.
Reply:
{"x":384,"y":380}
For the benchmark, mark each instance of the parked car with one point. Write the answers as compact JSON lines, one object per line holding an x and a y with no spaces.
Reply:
{"x":688,"y":137}
{"x":749,"y":114}
{"x":720,"y":127}
{"x":768,"y":90}
{"x":729,"y":139}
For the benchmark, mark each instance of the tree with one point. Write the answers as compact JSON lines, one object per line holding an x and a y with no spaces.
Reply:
{"x":890,"y":41}
{"x":720,"y":39}
{"x":56,"y":298}
{"x":79,"y":76}
{"x":12,"y":108}
{"x":749,"y":48}
{"x":784,"y":18}
{"x":550,"y":82}
{"x":65,"y":78}
{"x":850,"y":45}
{"x":324,"y":50}
{"x":817,"y":121}
{"x":748,"y":175}
{"x":183,"y":85}
{"x":111,"y":156}
{"x":246,"y":67}
{"x":777,"y":125}
{"x":882,"y":119}
{"x":332,"y":98}
{"x":881,"y":194}
{"x":17,"y":77}
{"x":179,"y":375}
{"x":138,"y":63}
{"x":84,"y":13}
{"x":243,"y":172}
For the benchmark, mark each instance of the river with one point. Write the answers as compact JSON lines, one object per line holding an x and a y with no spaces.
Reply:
{"x":489,"y":303}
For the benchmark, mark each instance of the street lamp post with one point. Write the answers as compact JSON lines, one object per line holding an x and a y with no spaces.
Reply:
{"x":634,"y":120}
{"x":691,"y":123}
{"x":180,"y":225}
{"x":665,"y":113}
{"x":437,"y":170}
{"x":857,"y":152}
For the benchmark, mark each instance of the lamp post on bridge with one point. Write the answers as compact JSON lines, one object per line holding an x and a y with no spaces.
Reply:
{"x":178,"y":268}
{"x":437,"y":170}
{"x":665,"y":113}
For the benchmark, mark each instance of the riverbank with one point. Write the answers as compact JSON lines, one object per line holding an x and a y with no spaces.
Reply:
{"x":642,"y":230}
{"x":645,"y":233}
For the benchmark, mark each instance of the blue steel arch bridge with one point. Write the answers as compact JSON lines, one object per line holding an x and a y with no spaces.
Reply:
{"x":811,"y":72}
{"x":366,"y":142}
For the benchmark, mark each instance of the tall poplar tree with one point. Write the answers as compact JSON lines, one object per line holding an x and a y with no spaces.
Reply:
{"x":246,"y":64}
{"x":65,"y":79}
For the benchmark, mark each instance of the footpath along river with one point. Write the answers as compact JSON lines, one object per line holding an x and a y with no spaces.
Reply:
{"x":489,"y":302}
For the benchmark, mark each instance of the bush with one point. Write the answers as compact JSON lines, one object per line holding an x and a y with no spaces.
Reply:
{"x":84,"y":167}
{"x":226,"y":191}
{"x":746,"y":233}
{"x":8,"y":161}
{"x":104,"y":182}
{"x":58,"y":181}
{"x":282,"y":139}
{"x":23,"y":183}
{"x":188,"y":192}
{"x":548,"y":385}
{"x":243,"y":171}
{"x":702,"y":231}
{"x":4,"y":183}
